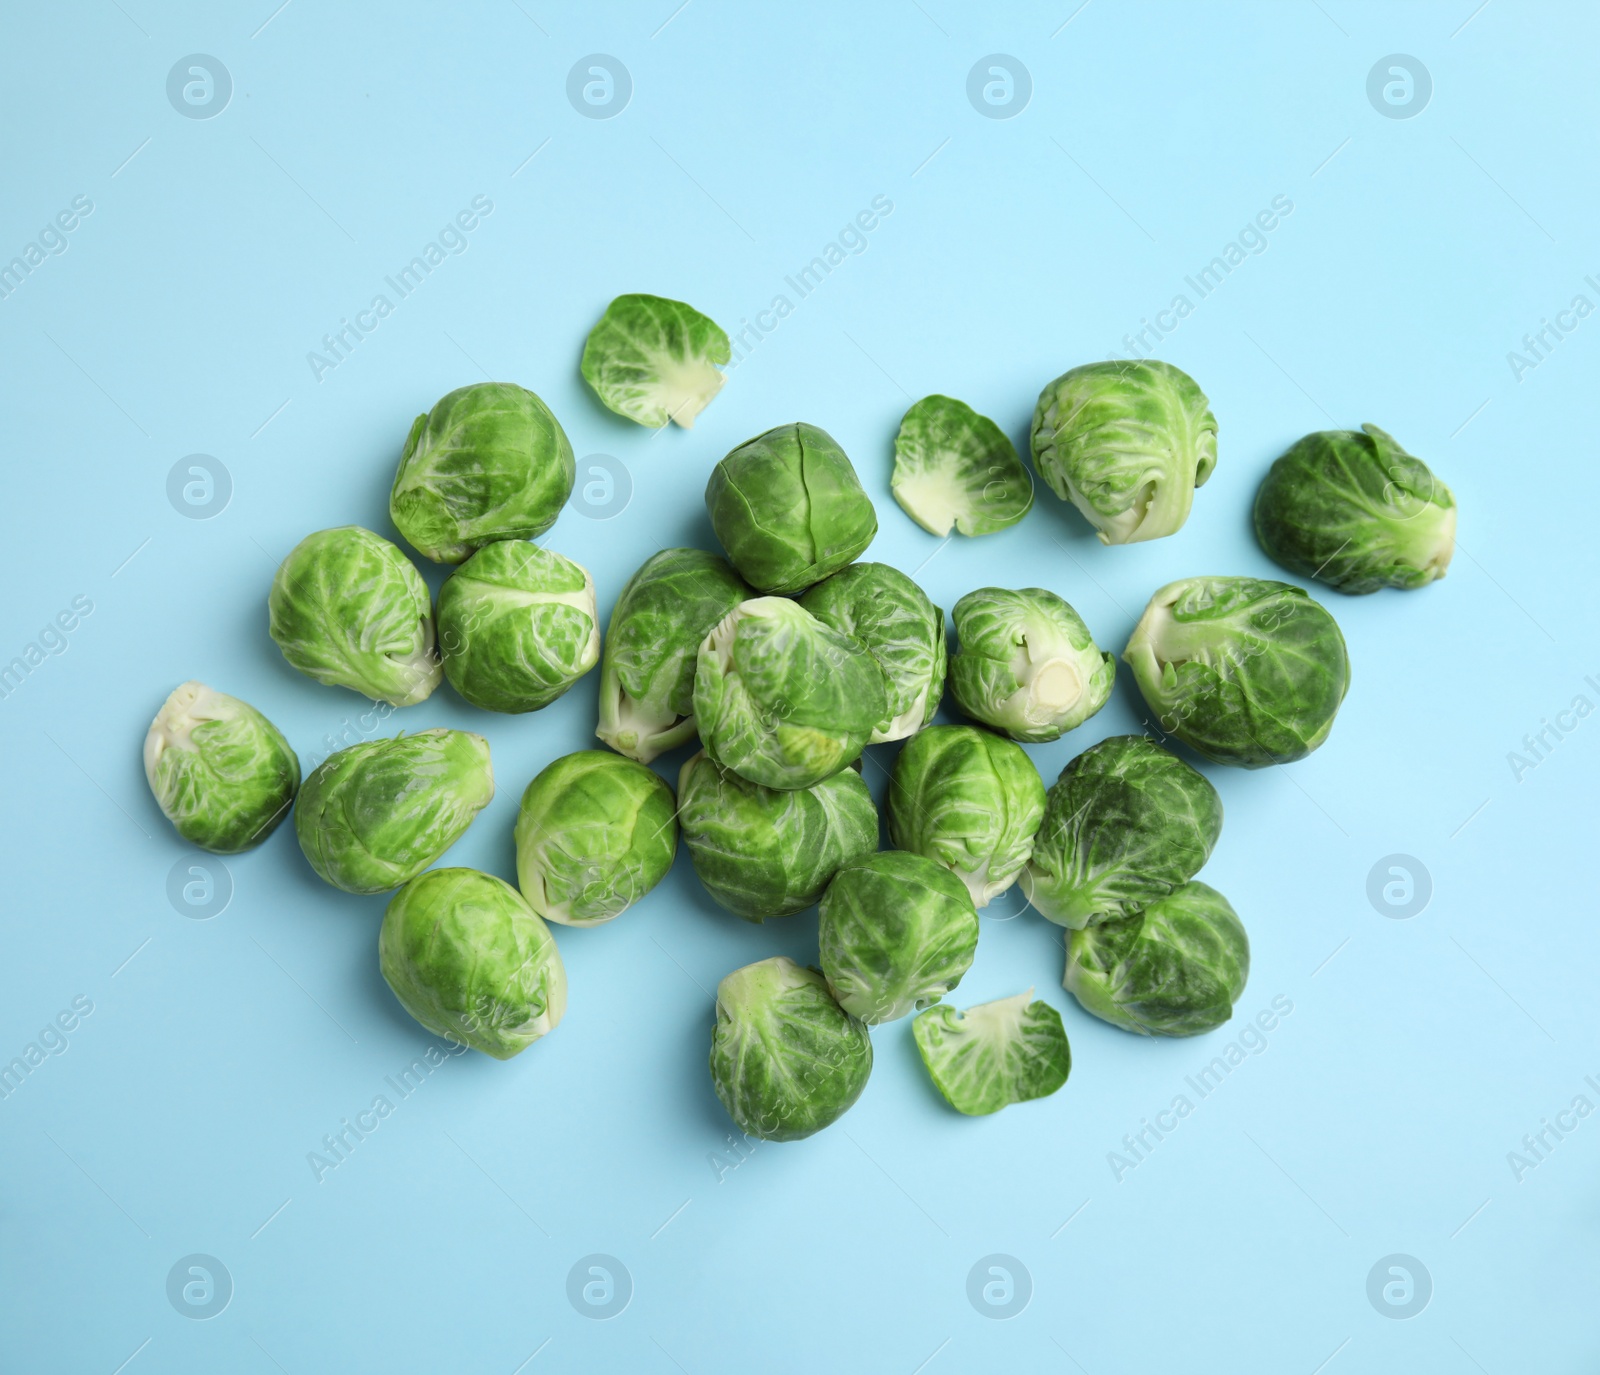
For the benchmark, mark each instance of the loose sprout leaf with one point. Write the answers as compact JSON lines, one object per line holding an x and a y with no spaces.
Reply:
{"x":1357,"y":512}
{"x":954,"y":467}
{"x":995,"y":1054}
{"x":652,"y":360}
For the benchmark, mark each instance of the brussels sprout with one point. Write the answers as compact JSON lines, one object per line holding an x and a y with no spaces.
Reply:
{"x":653,"y":360}
{"x":766,"y":853}
{"x":647,"y":673}
{"x":377,"y":814}
{"x":1126,"y":443}
{"x":348,"y":609}
{"x":954,"y":467}
{"x":904,"y":631}
{"x":1357,"y":512}
{"x":1125,"y":824}
{"x":783,"y":699}
{"x":220,"y":771}
{"x":789,"y":508}
{"x":786,"y":1060}
{"x":998,"y":1053}
{"x":1245,"y":671}
{"x":1175,"y":969}
{"x":897,"y":932}
{"x":517,"y":626}
{"x":489,"y":462}
{"x":968,"y":800}
{"x":467,"y":957}
{"x":595,"y":833}
{"x":1026,"y":664}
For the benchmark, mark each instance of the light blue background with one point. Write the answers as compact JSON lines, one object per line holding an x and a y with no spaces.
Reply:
{"x":1418,"y":1053}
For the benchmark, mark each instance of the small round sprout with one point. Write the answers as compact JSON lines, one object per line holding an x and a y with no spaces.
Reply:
{"x":786,"y":1059}
{"x":1126,"y":442}
{"x":467,"y":957}
{"x":595,"y":833}
{"x":222,"y":773}
{"x":1126,"y":824}
{"x":489,"y":462}
{"x":904,"y":631}
{"x":517,"y":626}
{"x":969,"y":800}
{"x":647,"y":672}
{"x":897,"y":932}
{"x":1026,"y":664}
{"x":1008,"y":1051}
{"x":652,"y":360}
{"x":1357,"y":512}
{"x":789,"y":508}
{"x":1244,"y":671}
{"x":1175,"y":969}
{"x":376,"y":815}
{"x":765,"y":853}
{"x":349,"y":609}
{"x":783,"y":699}
{"x":954,"y":467}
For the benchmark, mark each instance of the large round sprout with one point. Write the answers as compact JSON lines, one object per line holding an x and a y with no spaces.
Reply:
{"x":1026,"y":664}
{"x":348,"y":608}
{"x":767,"y":853}
{"x":1126,"y":442}
{"x":904,"y":631}
{"x":1008,"y":1051}
{"x":1175,"y":969}
{"x":517,"y":626}
{"x":969,"y":800}
{"x":467,"y":957}
{"x":1356,"y":511}
{"x":594,"y":834}
{"x":789,"y":508}
{"x":1125,"y":824}
{"x":1244,"y":670}
{"x":654,"y":360}
{"x":647,"y":672}
{"x":786,"y":1059}
{"x":783,"y":699}
{"x":377,"y":814}
{"x":489,"y":462}
{"x":221,"y":773}
{"x":897,"y":932}
{"x":954,"y":467}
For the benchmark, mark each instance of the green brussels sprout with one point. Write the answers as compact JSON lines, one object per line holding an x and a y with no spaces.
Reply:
{"x":896,"y":934}
{"x":789,"y":508}
{"x":995,"y":1054}
{"x":595,"y":833}
{"x":1357,"y":512}
{"x":1026,"y":664}
{"x":786,"y":1060}
{"x":489,"y":462}
{"x":469,"y":959}
{"x":517,"y":626}
{"x":349,"y":609}
{"x":1175,"y":969}
{"x":904,"y":631}
{"x":1125,"y":824}
{"x":647,"y":672}
{"x":954,"y":467}
{"x":764,"y":853}
{"x":652,"y":360}
{"x":376,"y":815}
{"x":1126,"y":442}
{"x":781,"y":698}
{"x":969,"y":800}
{"x":221,"y":773}
{"x":1244,"y":671}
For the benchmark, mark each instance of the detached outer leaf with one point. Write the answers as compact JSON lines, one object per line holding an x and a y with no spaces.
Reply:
{"x":994,"y":1054}
{"x":954,"y":467}
{"x":652,"y":360}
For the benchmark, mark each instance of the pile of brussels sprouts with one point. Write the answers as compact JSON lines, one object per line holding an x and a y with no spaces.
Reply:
{"x":786,"y":656}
